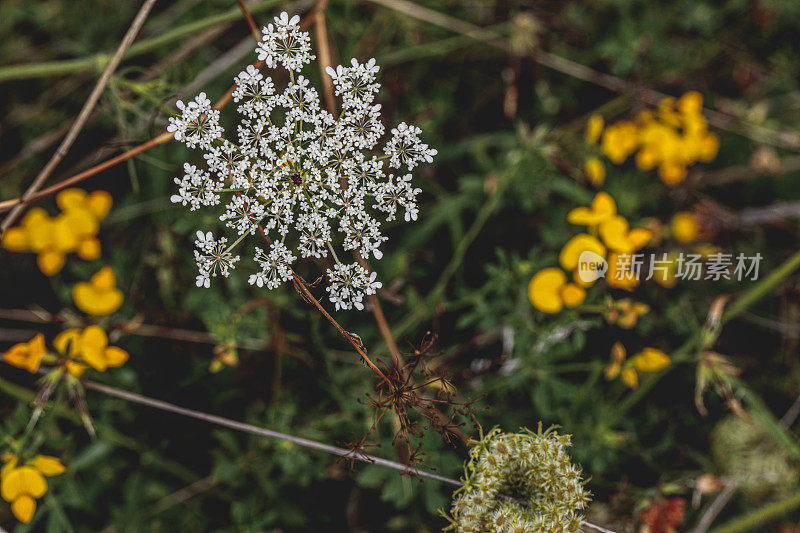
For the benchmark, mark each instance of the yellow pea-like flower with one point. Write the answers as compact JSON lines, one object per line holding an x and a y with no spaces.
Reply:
{"x":100,"y":295}
{"x":27,"y":355}
{"x":573,"y":295}
{"x":572,"y":250}
{"x":73,"y":230}
{"x":15,"y":240}
{"x":67,"y":343}
{"x":690,"y":103}
{"x":23,"y":485}
{"x":629,"y":377}
{"x":89,"y":249}
{"x":620,"y":274}
{"x":619,"y":141}
{"x":596,"y":171}
{"x":650,"y":360}
{"x":594,"y":127}
{"x":544,"y":288}
{"x":91,"y":346}
{"x":549,"y":291}
{"x":97,"y":203}
{"x":618,"y":236}
{"x":47,"y":465}
{"x":685,"y":227}
{"x":672,"y":173}
{"x":602,"y":208}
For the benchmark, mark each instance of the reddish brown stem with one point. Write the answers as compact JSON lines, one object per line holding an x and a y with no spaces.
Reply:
{"x":250,"y":22}
{"x":302,"y":288}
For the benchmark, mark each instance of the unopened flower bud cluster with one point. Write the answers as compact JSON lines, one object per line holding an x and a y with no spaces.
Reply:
{"x":303,"y":176}
{"x":520,"y":483}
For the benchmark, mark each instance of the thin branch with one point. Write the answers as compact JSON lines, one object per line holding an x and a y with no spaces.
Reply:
{"x":161,"y":139}
{"x":17,"y":203}
{"x":86,"y":110}
{"x":250,"y":22}
{"x":133,"y":327}
{"x":324,"y":55}
{"x":302,"y":288}
{"x":263,"y":432}
{"x":96,"y":61}
{"x":711,"y":512}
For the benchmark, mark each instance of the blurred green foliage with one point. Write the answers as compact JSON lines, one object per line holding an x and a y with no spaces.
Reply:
{"x":492,"y":214}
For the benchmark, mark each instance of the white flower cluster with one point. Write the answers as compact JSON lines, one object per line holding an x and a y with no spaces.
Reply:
{"x":297,"y":172}
{"x":535,"y":469}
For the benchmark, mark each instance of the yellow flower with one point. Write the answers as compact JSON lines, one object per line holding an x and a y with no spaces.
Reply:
{"x":690,"y":103}
{"x":15,"y":240}
{"x":625,"y":313}
{"x":709,"y":146}
{"x":671,"y":139}
{"x":594,"y":127}
{"x":89,"y":249}
{"x":67,"y":343}
{"x":51,"y":239}
{"x":596,"y":171}
{"x":650,"y":360}
{"x":618,"y":236}
{"x":618,"y":355}
{"x":602,"y":208}
{"x":23,"y":485}
{"x":685,"y":227}
{"x":672,"y":173}
{"x":98,"y":203}
{"x":665,"y":274}
{"x":27,"y":355}
{"x":91,"y":346}
{"x":73,"y":230}
{"x":98,"y":296}
{"x":582,"y":242}
{"x":620,"y":274}
{"x":629,"y":377}
{"x":549,"y":291}
{"x":573,"y":295}
{"x":85,"y":212}
{"x":619,"y":141}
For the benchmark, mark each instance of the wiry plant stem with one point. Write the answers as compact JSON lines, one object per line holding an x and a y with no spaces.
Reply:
{"x":86,"y":110}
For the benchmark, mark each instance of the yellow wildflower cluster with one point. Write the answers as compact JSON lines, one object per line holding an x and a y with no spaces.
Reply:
{"x":609,"y":235}
{"x":671,"y":138}
{"x":75,"y":350}
{"x":625,"y":313}
{"x":73,"y":230}
{"x":22,"y":485}
{"x":628,"y":370}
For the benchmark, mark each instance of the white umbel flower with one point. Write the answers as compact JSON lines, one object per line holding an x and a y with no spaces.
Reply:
{"x":275,"y":266}
{"x":349,"y":284}
{"x":284,"y":43}
{"x":213,"y":257}
{"x":198,"y":124}
{"x":310,"y":180}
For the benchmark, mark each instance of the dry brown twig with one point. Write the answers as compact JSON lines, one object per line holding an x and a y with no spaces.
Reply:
{"x":84,"y":114}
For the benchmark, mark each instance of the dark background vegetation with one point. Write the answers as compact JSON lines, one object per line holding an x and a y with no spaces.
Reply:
{"x":509,"y":132}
